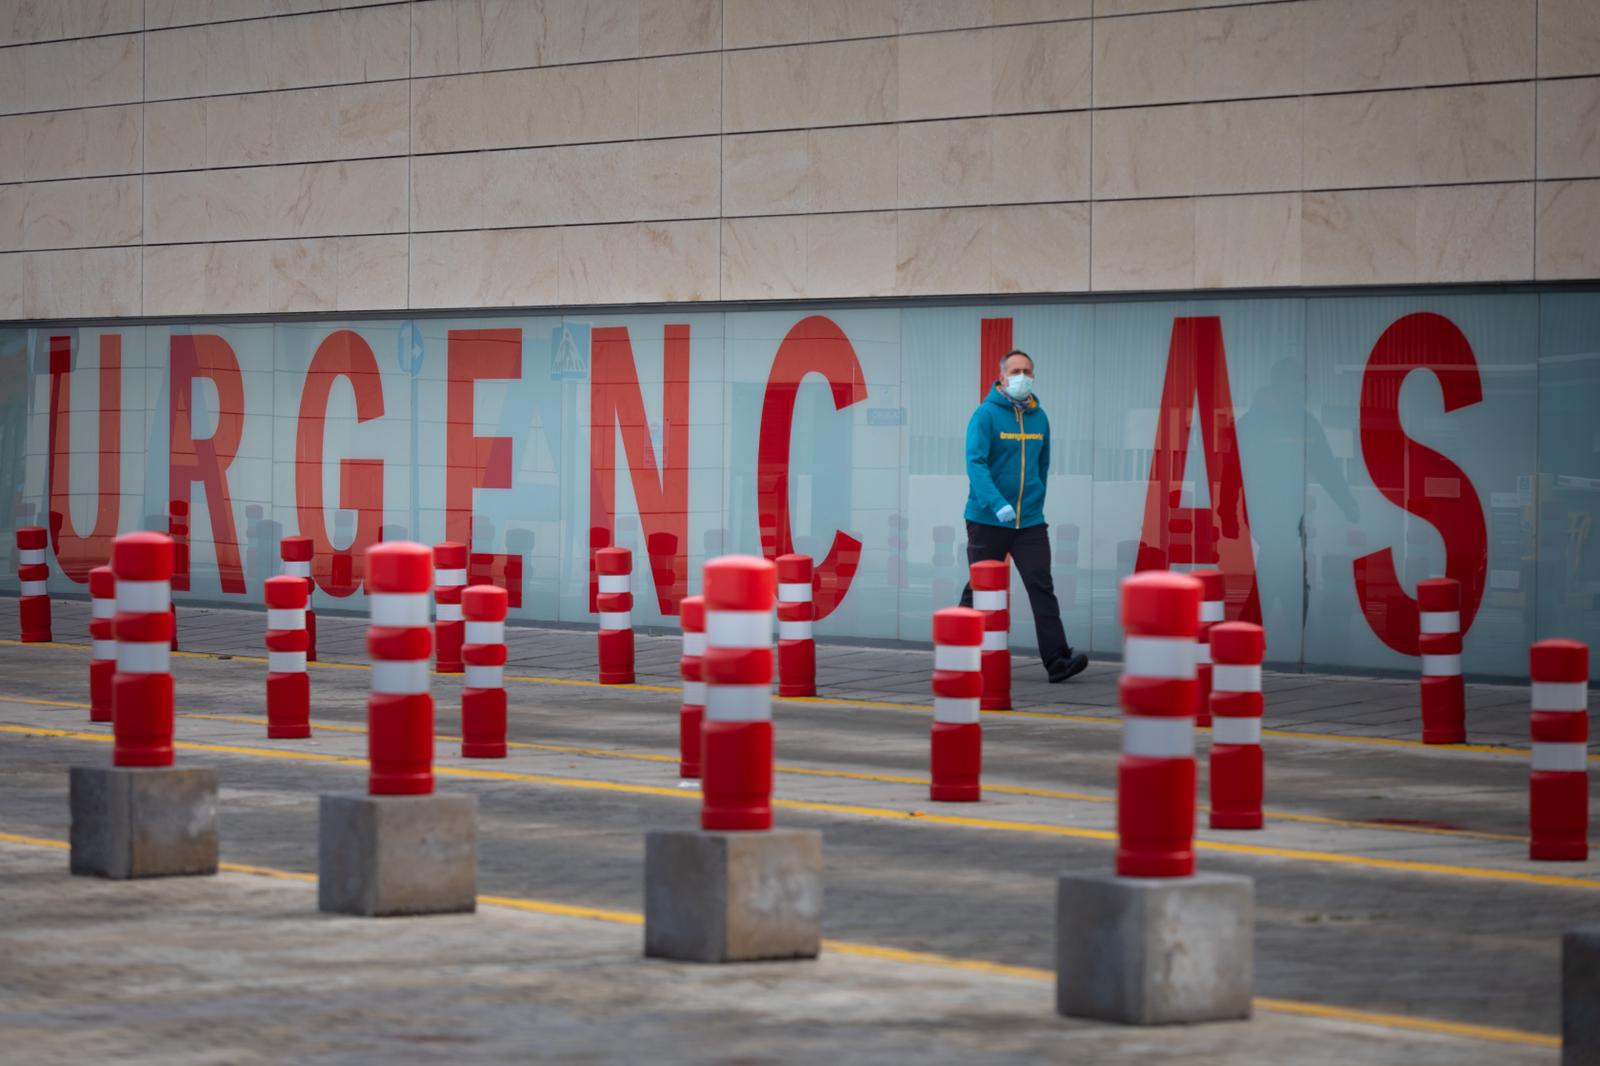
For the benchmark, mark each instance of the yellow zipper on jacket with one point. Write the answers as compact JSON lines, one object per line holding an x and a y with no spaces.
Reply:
{"x":1022,"y":439}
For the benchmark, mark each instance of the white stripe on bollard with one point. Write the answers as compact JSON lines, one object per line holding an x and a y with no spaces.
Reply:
{"x":400,"y":677}
{"x":1441,"y":665}
{"x":286,"y":662}
{"x":616,"y":619}
{"x":1158,"y":738}
{"x":485,"y":676}
{"x":286,"y":617}
{"x":1231,"y":677}
{"x":405,"y":609}
{"x":103,"y":607}
{"x":613,"y":583}
{"x":1202,"y":653}
{"x":794,"y":592}
{"x":994,"y":640}
{"x":738,"y":703}
{"x":1158,"y":657}
{"x":143,"y":597}
{"x":484,"y":633}
{"x":964,"y":657}
{"x":1561,"y":758}
{"x":1440,"y":621}
{"x":694,"y":644}
{"x":1226,"y":730}
{"x":739,"y":629}
{"x":447,"y":612}
{"x":33,"y":588}
{"x":1211,"y":611}
{"x":144,"y":657}
{"x":449,"y":578}
{"x":794,"y":630}
{"x":694,"y":693}
{"x":1560,"y":696}
{"x":105,"y":649}
{"x":988,"y":599}
{"x":297,"y":568}
{"x":955,"y":711}
{"x":30,"y":557}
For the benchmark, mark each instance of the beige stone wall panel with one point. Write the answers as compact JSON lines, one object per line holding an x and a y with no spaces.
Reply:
{"x":854,"y":168}
{"x":851,"y":254}
{"x":1247,"y":242}
{"x":89,"y":72}
{"x":1475,"y":233}
{"x":1039,"y":248}
{"x":1257,"y":50}
{"x":1143,"y":244}
{"x":1568,"y":230}
{"x":680,"y":96}
{"x":941,"y":251}
{"x":944,"y":75}
{"x":1044,"y":67}
{"x":764,"y":258}
{"x":1144,"y":59}
{"x":1249,"y":146}
{"x":679,"y":261}
{"x":1569,"y":128}
{"x":1359,"y":237}
{"x":675,"y":26}
{"x":766,"y":173}
{"x":49,"y":20}
{"x":1476,"y":133}
{"x":945,"y":164}
{"x":1039,"y":157}
{"x":1569,"y":38}
{"x":1145,"y":152}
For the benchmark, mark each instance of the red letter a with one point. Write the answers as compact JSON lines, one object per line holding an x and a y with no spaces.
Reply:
{"x":1197,"y":375}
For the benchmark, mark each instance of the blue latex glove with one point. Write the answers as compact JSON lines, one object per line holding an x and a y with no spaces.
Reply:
{"x":1007,"y":514}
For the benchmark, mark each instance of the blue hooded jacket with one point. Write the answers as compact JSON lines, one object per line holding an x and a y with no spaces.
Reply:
{"x":1008,"y":459}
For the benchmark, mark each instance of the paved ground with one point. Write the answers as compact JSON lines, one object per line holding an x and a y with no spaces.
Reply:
{"x":1391,"y":878}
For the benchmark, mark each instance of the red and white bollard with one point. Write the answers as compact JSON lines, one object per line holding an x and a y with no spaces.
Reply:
{"x":1444,"y":697}
{"x":736,"y":741}
{"x":614,"y":566}
{"x":483,"y":701}
{"x":400,"y":707}
{"x":103,"y":634}
{"x":991,"y":591}
{"x":141,"y":690}
{"x":1237,"y":649}
{"x":691,"y":717}
{"x":32,"y":573}
{"x":1558,"y":790}
{"x":797,"y":650}
{"x":957,"y":753}
{"x":449,"y":578}
{"x":288,"y":684}
{"x":296,"y":555}
{"x":1155,"y":775}
{"x":1212,"y":591}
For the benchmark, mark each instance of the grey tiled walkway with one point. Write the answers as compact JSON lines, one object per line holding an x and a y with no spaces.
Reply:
{"x":1314,"y":703}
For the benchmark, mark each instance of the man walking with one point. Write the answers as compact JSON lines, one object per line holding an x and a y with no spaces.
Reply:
{"x":1008,"y":459}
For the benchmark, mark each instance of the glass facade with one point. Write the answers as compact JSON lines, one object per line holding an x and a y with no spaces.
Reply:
{"x":1326,"y":452}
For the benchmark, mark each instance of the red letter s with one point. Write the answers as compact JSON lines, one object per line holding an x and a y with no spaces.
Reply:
{"x":1416,"y":478}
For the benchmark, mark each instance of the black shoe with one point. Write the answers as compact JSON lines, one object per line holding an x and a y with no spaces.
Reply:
{"x":1070,"y":665}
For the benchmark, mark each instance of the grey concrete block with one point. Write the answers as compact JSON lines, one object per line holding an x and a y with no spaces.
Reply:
{"x":392,"y":855}
{"x":155,"y":821}
{"x":733,"y":897}
{"x":1155,"y":950}
{"x":1580,"y":997}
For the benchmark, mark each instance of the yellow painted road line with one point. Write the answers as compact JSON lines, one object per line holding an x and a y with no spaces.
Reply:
{"x":849,"y":775}
{"x":1110,"y":720}
{"x":1496,"y":1034}
{"x":1368,"y":862}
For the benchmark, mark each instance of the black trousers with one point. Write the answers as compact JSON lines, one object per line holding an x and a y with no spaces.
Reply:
{"x":1030,"y":549}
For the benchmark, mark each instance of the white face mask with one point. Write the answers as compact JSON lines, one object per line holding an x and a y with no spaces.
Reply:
{"x":1019,"y":386}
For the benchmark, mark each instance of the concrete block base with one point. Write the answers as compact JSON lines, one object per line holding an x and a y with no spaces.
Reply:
{"x":1580,"y":996}
{"x":733,"y":897}
{"x":389,"y":855}
{"x":148,"y":821}
{"x":1155,"y":950}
